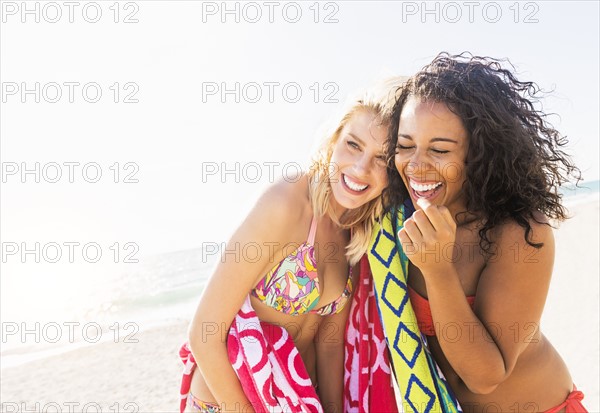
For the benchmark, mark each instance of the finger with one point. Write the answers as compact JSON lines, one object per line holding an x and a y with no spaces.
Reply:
{"x":406,"y":242}
{"x":445,"y":212}
{"x":439,"y":216}
{"x":404,"y":237}
{"x":423,"y":223}
{"x":435,"y":217}
{"x":423,"y":203}
{"x":413,"y":230}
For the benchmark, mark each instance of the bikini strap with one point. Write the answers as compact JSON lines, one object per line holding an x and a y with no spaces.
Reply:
{"x":313,"y":231}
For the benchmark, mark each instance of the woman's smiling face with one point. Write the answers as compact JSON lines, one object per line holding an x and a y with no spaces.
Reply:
{"x":430,"y":153}
{"x":359,"y":161}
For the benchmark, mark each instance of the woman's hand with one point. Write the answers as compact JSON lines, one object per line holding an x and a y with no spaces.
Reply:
{"x":428,"y":238}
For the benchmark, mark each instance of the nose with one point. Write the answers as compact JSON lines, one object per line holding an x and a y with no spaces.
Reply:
{"x":418,"y":163}
{"x":362,"y":165}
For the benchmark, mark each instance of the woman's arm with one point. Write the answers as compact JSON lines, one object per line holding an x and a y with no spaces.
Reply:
{"x":329,"y":344}
{"x":483,"y":345}
{"x":264,"y":229}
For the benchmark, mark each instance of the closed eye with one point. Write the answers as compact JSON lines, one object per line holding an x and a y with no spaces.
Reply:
{"x":405,"y":148}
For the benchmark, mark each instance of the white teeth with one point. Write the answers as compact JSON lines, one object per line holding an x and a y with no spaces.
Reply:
{"x":423,"y":188}
{"x":353,"y":185}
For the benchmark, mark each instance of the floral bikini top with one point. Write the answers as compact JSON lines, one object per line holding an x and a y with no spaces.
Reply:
{"x":292,"y":286}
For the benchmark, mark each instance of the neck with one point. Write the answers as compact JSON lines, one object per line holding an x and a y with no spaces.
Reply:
{"x":336,"y":208}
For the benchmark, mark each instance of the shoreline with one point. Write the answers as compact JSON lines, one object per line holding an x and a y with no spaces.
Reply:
{"x":18,"y":355}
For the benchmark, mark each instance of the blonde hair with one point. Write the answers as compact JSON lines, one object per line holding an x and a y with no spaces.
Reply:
{"x":379,"y":100}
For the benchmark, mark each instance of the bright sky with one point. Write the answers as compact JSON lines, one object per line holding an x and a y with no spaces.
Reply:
{"x":176,"y":60}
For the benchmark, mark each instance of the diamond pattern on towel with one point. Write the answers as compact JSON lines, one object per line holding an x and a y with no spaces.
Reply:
{"x":410,"y":341}
{"x":393,"y":290}
{"x":415,"y":387}
{"x":389,"y":247}
{"x":420,"y":382}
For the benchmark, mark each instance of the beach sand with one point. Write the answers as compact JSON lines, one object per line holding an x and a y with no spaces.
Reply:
{"x":125,"y":377}
{"x":571,"y":316}
{"x":145,"y":376}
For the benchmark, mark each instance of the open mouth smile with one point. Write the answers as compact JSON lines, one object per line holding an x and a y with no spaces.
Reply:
{"x":353,"y":185}
{"x":424,"y":190}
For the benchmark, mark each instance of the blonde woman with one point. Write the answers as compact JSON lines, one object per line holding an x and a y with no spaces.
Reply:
{"x":328,"y":213}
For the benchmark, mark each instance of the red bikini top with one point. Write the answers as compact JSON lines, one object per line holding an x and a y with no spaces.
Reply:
{"x":422,"y":310}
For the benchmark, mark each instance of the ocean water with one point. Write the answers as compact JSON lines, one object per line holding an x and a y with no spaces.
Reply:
{"x":97,"y":304}
{"x":586,"y":191}
{"x":121,"y":300}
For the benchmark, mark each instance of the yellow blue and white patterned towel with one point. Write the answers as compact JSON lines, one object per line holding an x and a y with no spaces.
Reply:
{"x":421,"y":383}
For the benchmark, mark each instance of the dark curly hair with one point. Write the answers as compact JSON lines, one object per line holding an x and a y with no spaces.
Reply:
{"x":515,"y":162}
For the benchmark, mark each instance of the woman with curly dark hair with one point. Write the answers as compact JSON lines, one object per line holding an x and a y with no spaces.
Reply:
{"x":475,"y":157}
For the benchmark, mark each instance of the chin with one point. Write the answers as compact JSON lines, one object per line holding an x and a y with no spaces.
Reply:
{"x":347,"y":202}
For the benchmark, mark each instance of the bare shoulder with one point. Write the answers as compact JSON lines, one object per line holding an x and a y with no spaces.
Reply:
{"x":513,"y":245}
{"x":283,"y":203}
{"x":511,"y":232}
